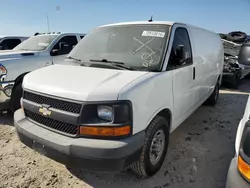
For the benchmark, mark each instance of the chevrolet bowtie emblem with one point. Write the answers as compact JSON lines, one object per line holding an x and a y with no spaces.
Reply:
{"x":45,"y":111}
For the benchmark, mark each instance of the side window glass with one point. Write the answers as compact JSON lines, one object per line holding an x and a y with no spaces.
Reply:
{"x":181,"y":52}
{"x":9,"y":44}
{"x":64,"y":45}
{"x":81,"y":36}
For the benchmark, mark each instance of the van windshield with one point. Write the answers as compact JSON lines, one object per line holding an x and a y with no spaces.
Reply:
{"x":140,"y":47}
{"x":36,"y":43}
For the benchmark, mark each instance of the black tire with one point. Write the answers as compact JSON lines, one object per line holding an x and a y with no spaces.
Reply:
{"x":212,"y":100}
{"x":143,"y":167}
{"x":16,"y":95}
{"x":237,"y":36}
{"x":235,"y":81}
{"x":247,"y":76}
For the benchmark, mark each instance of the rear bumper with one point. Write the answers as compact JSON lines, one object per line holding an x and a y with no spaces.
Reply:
{"x":89,"y":154}
{"x":234,"y":179}
{"x":4,"y":99}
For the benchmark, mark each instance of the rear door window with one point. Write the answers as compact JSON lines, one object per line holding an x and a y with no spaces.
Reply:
{"x":9,"y":44}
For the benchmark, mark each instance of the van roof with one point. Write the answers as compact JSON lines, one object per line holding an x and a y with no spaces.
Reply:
{"x":156,"y":23}
{"x":141,"y":22}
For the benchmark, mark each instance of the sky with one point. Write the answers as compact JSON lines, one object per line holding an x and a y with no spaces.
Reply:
{"x":25,"y":17}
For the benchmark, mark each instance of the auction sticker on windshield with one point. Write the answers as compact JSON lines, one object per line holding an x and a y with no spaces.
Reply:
{"x":153,"y":34}
{"x":43,"y":44}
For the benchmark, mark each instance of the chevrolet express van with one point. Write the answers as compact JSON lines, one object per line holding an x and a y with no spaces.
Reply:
{"x":136,"y":83}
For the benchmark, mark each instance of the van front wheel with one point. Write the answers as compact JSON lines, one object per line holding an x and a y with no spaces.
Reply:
{"x":154,"y":149}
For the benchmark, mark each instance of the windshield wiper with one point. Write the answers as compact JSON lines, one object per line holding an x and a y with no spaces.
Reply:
{"x":69,"y":57}
{"x":113,"y":63}
{"x":25,"y":49}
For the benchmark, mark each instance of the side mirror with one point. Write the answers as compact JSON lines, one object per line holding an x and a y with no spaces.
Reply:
{"x":64,"y":48}
{"x":181,"y":54}
{"x":54,"y":52}
{"x":244,"y":54}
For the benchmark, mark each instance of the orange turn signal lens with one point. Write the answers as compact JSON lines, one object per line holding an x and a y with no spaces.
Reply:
{"x":105,"y":131}
{"x":244,"y":168}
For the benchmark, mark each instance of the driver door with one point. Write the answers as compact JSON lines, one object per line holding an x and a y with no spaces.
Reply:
{"x":62,"y":48}
{"x":183,"y":75}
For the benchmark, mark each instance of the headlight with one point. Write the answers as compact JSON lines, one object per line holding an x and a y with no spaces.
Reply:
{"x":111,"y":119}
{"x":113,"y":112}
{"x":105,"y":112}
{"x":8,"y":90}
{"x":3,"y":70}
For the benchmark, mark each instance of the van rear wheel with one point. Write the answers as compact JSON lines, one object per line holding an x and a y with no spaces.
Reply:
{"x":212,"y":100}
{"x":154,"y":149}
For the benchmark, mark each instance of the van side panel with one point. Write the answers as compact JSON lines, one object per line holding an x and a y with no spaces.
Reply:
{"x":149,"y":95}
{"x":208,"y":58}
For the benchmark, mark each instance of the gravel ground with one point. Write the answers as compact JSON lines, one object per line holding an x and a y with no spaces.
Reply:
{"x":199,"y":154}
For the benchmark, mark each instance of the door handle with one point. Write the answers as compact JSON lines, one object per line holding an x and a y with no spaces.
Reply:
{"x":193,"y":73}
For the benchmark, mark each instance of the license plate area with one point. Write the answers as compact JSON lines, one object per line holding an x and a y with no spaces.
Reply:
{"x":39,"y":148}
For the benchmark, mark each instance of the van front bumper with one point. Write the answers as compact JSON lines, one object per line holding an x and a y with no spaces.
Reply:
{"x":234,"y":179}
{"x":88,"y":154}
{"x":4,"y":98}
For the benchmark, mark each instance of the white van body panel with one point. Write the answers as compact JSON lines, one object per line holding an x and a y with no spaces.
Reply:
{"x":92,"y":84}
{"x":190,"y":93}
{"x":149,"y":96}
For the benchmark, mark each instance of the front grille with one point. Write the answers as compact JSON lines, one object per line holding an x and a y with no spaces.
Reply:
{"x":51,"y":123}
{"x":53,"y":103}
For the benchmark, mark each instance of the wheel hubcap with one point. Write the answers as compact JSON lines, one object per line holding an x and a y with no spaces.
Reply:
{"x":157,"y":147}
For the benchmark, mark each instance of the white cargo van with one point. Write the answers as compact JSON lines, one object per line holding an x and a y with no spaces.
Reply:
{"x":138,"y":82}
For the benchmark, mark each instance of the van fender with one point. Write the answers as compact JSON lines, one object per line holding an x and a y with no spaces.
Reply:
{"x":163,"y":112}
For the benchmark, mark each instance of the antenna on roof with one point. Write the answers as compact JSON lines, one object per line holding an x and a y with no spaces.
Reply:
{"x":47,"y":16}
{"x":151,"y":19}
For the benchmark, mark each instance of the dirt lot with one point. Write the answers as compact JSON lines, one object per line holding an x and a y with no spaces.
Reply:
{"x":199,"y":154}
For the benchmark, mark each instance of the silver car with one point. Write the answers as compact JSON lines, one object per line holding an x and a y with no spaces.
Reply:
{"x":34,"y":53}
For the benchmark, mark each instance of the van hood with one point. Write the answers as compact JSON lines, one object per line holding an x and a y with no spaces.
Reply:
{"x":15,"y":54}
{"x":80,"y":83}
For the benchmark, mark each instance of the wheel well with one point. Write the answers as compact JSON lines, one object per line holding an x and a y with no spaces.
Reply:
{"x":166,"y":113}
{"x":19,"y":78}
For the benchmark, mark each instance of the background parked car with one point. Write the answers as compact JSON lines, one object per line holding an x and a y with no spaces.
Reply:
{"x":36,"y":52}
{"x":10,"y":42}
